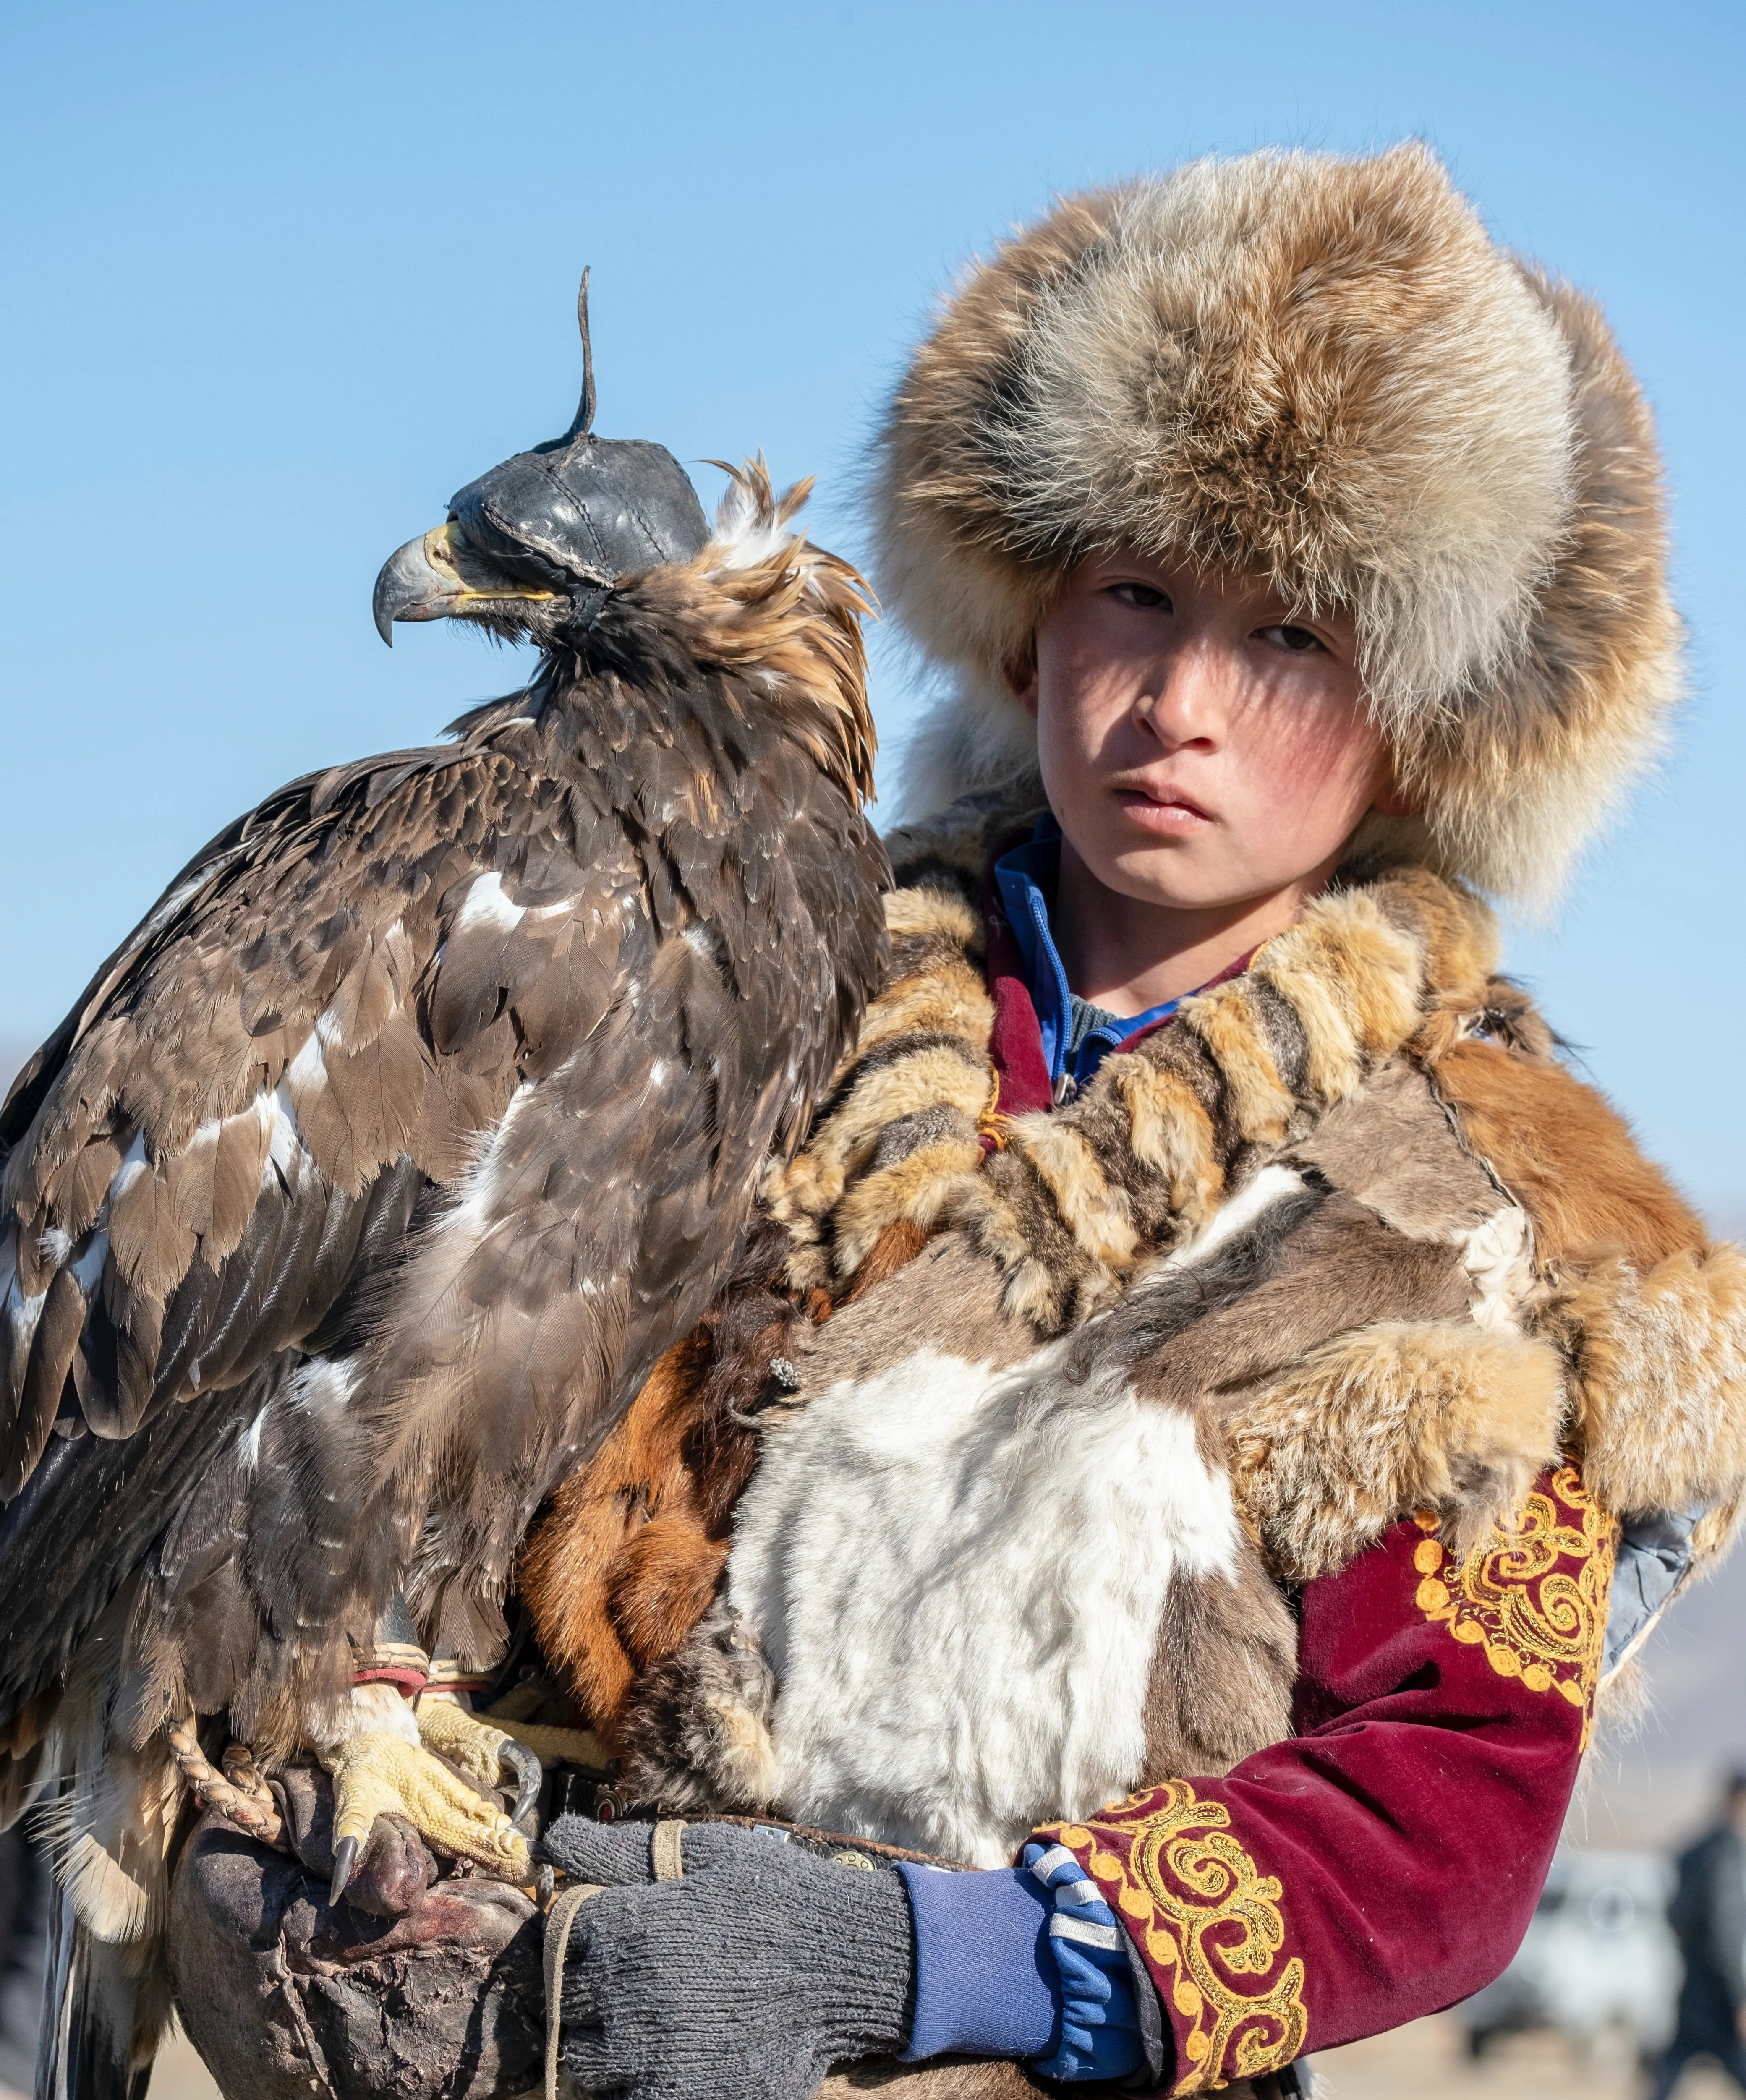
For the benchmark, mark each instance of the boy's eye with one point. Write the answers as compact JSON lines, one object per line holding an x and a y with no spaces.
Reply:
{"x":1143,"y":596}
{"x":1295,"y":641}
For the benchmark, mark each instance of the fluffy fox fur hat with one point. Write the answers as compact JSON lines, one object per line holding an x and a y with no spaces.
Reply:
{"x":1323,"y":371}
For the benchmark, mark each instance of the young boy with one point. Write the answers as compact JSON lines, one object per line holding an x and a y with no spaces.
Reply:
{"x":1303,"y":552}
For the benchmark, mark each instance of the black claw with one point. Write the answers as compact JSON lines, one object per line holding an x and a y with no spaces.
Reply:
{"x":344,"y":1858}
{"x":517,"y":1758}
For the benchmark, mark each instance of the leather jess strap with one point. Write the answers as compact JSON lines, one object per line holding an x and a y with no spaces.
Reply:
{"x":666,"y":1856}
{"x":666,"y":1853}
{"x":558,"y":1920}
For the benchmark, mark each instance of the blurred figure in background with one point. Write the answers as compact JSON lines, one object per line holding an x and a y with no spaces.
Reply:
{"x":1708,"y":1917}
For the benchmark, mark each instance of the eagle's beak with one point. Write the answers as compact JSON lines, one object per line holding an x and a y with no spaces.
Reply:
{"x":436,"y":577}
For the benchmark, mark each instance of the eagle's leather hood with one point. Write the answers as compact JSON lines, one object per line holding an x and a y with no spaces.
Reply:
{"x":538,"y":544}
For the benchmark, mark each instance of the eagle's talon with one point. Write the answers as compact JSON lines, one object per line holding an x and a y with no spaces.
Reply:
{"x":378,"y":1772}
{"x":489,"y":1749}
{"x":529,"y":1775}
{"x":344,"y":1858}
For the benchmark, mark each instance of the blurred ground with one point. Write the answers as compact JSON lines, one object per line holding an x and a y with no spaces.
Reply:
{"x":1429,"y":2061}
{"x":181,"y":2076}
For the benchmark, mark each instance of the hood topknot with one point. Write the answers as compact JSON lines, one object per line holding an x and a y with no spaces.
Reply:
{"x":1323,"y":371}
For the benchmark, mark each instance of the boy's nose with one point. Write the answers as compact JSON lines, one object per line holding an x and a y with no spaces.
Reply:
{"x":1183,"y":704}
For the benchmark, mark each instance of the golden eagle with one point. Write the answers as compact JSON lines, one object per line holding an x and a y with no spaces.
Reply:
{"x":372,"y":1172}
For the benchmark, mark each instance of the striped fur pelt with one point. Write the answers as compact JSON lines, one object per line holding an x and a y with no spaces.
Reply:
{"x":980,"y":1496}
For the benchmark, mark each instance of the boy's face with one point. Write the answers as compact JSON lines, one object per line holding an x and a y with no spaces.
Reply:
{"x":1200,"y":745}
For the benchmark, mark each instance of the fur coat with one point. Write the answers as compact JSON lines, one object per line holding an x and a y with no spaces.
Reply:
{"x":1225,"y":1469}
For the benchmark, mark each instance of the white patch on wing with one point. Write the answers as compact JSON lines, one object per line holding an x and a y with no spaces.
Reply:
{"x":537,"y":914}
{"x":20,"y":1312}
{"x":284,"y":1145}
{"x":307,"y":1069}
{"x":132,"y":1166}
{"x":168,"y":906}
{"x":55,"y":1246}
{"x":87,"y":1271}
{"x":470,"y":1218}
{"x":958,"y":1577}
{"x":486,"y":905}
{"x":249,"y":1443}
{"x":321,"y":1386}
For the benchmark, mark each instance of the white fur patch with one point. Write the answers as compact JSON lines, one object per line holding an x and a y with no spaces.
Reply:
{"x":1272,"y":1185}
{"x":1498,"y":1257}
{"x":958,"y":1578}
{"x":372,"y":1709}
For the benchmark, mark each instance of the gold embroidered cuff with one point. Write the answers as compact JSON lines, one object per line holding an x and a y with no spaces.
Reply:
{"x":1181,"y":1881}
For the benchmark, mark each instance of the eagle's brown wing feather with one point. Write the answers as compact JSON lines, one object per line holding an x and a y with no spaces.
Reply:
{"x":239,"y":1121}
{"x":188,"y":1194}
{"x":608,"y":1208}
{"x":603,"y":1211}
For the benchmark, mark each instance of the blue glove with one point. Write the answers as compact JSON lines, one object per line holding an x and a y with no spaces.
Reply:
{"x":1023,"y":1961}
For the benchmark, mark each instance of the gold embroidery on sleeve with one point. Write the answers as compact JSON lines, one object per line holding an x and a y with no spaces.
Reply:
{"x":1207,"y":1918}
{"x":1532,"y":1599}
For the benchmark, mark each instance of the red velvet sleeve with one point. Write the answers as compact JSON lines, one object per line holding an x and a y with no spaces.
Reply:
{"x":1385,"y":1861}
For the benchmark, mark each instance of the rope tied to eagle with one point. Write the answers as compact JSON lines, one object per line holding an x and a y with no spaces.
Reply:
{"x":238,"y":1792}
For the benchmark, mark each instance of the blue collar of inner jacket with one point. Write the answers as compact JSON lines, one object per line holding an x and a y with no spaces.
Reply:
{"x":1025,"y":878}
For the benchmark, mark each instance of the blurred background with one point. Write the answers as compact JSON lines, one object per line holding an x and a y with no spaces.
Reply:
{"x":280,"y":279}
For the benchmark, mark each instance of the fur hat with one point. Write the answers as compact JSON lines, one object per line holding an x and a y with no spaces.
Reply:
{"x":1323,"y":371}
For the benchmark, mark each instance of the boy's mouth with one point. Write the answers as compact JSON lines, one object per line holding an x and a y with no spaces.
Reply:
{"x":1166,"y":811}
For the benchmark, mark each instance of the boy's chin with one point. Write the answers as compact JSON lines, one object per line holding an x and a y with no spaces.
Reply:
{"x":1173,"y":879}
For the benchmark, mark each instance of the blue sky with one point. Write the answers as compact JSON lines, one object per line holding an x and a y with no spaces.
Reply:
{"x":280,"y":279}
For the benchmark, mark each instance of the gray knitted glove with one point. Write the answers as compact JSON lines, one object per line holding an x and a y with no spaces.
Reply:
{"x":746,"y":1979}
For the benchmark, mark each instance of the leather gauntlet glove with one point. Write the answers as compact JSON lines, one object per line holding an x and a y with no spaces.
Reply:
{"x":745,"y":1980}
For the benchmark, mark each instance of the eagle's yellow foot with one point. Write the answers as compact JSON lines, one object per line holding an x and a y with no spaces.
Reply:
{"x":482,"y":1747}
{"x":383,"y":1771}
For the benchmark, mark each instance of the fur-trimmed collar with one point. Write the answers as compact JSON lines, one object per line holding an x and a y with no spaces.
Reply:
{"x":1348,"y":1219}
{"x":1635,"y":1325}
